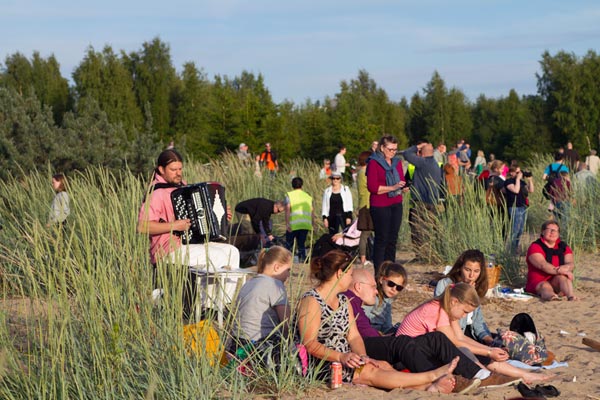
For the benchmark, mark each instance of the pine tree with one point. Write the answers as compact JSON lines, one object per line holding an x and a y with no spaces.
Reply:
{"x":154,"y":82}
{"x":104,"y":78}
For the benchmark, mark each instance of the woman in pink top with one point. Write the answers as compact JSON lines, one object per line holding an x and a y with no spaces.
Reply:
{"x":443,"y":313}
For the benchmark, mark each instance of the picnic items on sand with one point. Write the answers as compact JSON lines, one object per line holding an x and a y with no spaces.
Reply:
{"x":522,"y":341}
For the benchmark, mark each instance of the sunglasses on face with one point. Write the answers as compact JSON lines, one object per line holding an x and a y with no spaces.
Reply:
{"x":336,"y":179}
{"x":391,"y":284}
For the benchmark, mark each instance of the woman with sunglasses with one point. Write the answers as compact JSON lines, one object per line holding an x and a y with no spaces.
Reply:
{"x":327,"y":328}
{"x":470,"y":268}
{"x":385,"y":181}
{"x":391,"y":278}
{"x":337,"y":205}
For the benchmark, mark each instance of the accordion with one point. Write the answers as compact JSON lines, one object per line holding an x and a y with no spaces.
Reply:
{"x":205,"y":206}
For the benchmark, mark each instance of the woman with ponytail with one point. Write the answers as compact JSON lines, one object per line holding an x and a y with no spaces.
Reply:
{"x":470,"y":268}
{"x":442,"y":314}
{"x":262,"y":306}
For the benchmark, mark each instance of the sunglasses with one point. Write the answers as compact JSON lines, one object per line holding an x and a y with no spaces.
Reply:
{"x":391,"y":284}
{"x":336,"y":179}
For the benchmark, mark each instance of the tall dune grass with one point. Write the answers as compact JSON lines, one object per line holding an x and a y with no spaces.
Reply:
{"x":87,"y":327}
{"x":90,"y":329}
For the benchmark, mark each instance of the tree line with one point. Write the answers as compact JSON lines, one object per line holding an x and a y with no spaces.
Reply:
{"x":122,"y":108}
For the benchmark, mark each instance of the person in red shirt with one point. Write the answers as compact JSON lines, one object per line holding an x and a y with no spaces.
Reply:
{"x":550,"y":265}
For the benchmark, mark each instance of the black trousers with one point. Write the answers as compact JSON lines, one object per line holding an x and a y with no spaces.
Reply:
{"x":420,"y":354}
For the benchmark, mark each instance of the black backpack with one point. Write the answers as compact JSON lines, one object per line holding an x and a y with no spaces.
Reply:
{"x":550,"y":181}
{"x":516,"y":343}
{"x":522,"y":323}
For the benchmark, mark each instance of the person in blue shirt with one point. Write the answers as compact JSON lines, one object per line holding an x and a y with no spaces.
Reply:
{"x":470,"y":268}
{"x":557,"y":166}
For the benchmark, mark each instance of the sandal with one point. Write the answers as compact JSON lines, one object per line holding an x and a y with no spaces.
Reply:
{"x":548,"y":390}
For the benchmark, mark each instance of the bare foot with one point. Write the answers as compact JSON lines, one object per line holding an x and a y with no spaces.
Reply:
{"x":445,"y":384}
{"x":573,"y":298}
{"x":447,"y":369}
{"x":532,"y":377}
{"x":553,"y":297}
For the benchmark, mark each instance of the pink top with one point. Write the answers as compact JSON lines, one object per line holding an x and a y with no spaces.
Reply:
{"x":424,"y":319}
{"x":535,"y":275}
{"x":160,"y":209}
{"x":376,"y":178}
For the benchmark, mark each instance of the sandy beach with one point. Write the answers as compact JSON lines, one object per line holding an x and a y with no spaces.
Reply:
{"x":563,"y":323}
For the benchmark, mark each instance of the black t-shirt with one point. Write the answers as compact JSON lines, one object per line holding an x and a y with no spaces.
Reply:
{"x":516,"y":199}
{"x":336,"y":205}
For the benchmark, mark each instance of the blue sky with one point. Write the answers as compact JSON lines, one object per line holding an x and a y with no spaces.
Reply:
{"x":305,"y":48}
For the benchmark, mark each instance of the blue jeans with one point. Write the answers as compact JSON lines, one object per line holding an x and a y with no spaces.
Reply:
{"x":561,"y":212}
{"x":386,"y":221}
{"x":518,"y":216}
{"x":300,"y":236}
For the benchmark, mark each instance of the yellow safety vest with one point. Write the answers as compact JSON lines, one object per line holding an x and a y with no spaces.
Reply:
{"x":300,"y":210}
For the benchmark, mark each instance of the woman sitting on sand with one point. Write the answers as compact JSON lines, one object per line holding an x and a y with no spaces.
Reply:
{"x":470,"y":268}
{"x":550,"y":265}
{"x":443,"y":313}
{"x":327,"y":329}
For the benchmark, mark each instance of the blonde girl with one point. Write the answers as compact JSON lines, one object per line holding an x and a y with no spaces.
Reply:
{"x":470,"y":268}
{"x":391,"y":280}
{"x":442,"y":314}
{"x":262,"y":307}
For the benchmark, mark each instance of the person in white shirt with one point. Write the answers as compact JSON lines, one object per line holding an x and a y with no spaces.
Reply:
{"x":593,"y":162}
{"x":340,"y":161}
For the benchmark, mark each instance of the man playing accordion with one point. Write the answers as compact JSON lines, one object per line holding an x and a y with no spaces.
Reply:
{"x":157,"y":219}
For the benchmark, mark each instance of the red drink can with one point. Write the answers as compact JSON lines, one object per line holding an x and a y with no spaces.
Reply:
{"x":336,"y":375}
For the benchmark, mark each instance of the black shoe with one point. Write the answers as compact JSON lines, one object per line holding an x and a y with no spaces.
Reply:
{"x":548,"y":390}
{"x":529,"y":393}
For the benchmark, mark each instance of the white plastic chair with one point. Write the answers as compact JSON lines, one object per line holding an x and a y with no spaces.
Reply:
{"x":217,"y":289}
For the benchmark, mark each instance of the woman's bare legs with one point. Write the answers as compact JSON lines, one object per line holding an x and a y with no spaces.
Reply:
{"x":550,"y":290}
{"x":528,"y":377}
{"x":385,"y":377}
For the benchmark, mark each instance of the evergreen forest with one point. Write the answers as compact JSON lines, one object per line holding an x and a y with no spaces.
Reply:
{"x":118,"y":110}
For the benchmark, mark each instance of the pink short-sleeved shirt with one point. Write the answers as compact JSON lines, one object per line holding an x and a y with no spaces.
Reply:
{"x":424,"y":319}
{"x":159,"y":208}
